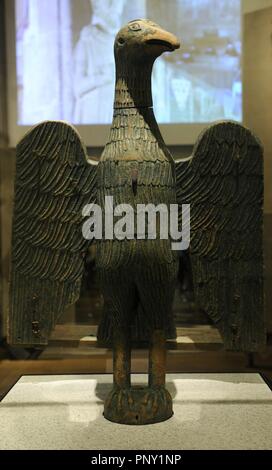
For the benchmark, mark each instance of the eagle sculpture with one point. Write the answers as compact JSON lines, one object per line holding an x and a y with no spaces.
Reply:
{"x":223,"y":183}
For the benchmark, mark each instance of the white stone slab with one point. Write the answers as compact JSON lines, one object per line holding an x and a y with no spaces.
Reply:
{"x":211,"y":411}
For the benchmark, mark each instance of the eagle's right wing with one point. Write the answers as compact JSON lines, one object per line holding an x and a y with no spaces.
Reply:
{"x":54,"y":180}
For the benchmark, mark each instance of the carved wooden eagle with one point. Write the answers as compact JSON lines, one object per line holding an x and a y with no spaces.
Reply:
{"x":222,"y":181}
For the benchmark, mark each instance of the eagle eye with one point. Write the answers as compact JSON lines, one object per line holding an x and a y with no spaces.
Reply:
{"x":135,"y":27}
{"x":121,"y":41}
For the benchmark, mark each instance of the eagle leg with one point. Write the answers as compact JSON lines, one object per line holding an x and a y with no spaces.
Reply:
{"x":121,"y":359}
{"x":157,"y":360}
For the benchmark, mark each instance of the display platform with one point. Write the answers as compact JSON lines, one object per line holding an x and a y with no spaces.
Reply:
{"x":211,"y":411}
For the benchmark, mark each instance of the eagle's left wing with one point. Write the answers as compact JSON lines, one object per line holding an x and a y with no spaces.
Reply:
{"x":223,"y":183}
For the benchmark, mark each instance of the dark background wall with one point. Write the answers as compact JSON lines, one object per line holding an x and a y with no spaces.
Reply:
{"x":257,"y":81}
{"x":3,"y":141}
{"x":3,"y":103}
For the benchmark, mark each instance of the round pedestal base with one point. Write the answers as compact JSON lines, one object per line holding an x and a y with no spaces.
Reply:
{"x":138,"y":405}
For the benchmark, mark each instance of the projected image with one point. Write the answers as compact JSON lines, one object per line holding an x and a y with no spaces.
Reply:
{"x":65,"y":63}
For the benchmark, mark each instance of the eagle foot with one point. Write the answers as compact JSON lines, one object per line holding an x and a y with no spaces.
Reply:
{"x":138,"y":405}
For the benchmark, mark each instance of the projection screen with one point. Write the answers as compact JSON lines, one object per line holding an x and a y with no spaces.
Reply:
{"x":63,"y":65}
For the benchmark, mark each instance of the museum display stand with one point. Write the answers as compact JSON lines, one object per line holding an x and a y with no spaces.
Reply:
{"x":211,"y":411}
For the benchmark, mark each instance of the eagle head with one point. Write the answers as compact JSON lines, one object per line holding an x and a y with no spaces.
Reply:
{"x":143,"y":40}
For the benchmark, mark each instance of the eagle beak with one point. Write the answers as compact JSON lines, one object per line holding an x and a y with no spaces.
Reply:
{"x":163,"y":39}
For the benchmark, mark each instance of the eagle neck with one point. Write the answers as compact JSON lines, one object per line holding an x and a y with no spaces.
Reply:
{"x":133,"y":84}
{"x":133,"y":118}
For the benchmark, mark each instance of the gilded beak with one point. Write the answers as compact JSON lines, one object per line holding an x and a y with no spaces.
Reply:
{"x":163,"y":39}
